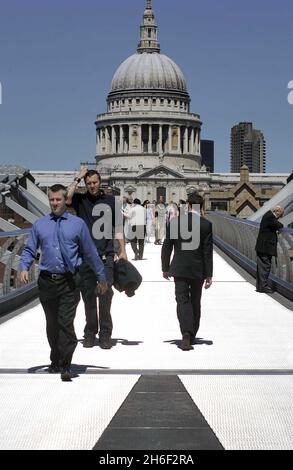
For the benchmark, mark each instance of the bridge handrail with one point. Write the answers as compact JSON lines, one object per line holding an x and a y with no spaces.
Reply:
{"x":15,"y":233}
{"x":248,"y":222}
{"x":237,"y":237}
{"x":18,"y":298}
{"x":12,"y":294}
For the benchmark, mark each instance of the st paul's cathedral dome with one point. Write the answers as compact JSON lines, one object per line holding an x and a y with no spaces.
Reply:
{"x":148,"y":140}
{"x":149,"y":71}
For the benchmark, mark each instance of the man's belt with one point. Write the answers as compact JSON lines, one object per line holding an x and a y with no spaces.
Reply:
{"x":55,"y":276}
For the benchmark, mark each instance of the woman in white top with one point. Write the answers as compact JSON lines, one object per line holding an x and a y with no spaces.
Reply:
{"x":149,"y":220}
{"x":137,"y":220}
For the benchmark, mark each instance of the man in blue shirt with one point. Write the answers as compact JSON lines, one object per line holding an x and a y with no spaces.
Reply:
{"x":64,"y":241}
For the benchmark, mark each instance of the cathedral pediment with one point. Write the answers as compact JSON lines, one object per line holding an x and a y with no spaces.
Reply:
{"x":161,"y":171}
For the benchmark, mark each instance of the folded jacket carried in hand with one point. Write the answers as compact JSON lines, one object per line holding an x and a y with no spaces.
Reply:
{"x":126,"y":277}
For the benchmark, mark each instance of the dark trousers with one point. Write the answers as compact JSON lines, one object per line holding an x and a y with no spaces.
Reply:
{"x":188,"y":298}
{"x":88,"y":287}
{"x":137,"y":246}
{"x":264,"y":264}
{"x":59,"y":299}
{"x":137,"y":241}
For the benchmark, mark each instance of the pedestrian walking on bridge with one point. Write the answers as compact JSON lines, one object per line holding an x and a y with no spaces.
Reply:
{"x":64,"y":241}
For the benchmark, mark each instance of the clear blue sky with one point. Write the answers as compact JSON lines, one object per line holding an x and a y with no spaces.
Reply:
{"x":58,"y":57}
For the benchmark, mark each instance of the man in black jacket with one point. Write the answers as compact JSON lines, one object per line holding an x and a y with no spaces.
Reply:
{"x":93,"y":206}
{"x":190,"y":235}
{"x":266,"y":247}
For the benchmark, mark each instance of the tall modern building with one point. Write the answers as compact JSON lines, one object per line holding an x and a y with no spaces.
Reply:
{"x":248,"y":147}
{"x":207,"y":154}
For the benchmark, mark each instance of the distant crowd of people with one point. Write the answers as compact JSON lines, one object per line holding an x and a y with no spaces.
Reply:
{"x":151,"y":217}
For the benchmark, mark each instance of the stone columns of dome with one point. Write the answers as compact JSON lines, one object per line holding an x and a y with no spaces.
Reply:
{"x":169,"y":146}
{"x":160,"y":139}
{"x":120,"y":139}
{"x":113,"y":139}
{"x":101,"y":140}
{"x":104,"y":140}
{"x":124,"y":141}
{"x":185,"y":141}
{"x":185,"y":150}
{"x":129,"y":139}
{"x":123,"y":133}
{"x":179,"y":140}
{"x":196,"y":142}
{"x":98,"y":142}
{"x":150,"y":147}
{"x":192,"y":141}
{"x":108,"y":140}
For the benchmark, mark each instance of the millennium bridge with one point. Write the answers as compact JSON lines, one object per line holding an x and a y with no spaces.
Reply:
{"x":232,"y":391}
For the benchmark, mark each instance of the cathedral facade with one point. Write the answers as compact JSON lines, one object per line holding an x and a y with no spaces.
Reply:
{"x":148,"y":142}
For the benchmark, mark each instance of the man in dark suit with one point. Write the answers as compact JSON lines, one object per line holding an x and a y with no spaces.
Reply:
{"x":266,"y":247}
{"x":190,"y":235}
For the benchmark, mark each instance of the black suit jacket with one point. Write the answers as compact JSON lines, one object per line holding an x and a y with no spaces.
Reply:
{"x":193,"y":261}
{"x":126,"y":277}
{"x":267,"y":239}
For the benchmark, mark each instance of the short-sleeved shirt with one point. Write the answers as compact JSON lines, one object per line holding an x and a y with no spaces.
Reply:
{"x":98,"y":212}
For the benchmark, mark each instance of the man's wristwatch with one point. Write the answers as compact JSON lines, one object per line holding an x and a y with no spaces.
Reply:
{"x":77,"y":179}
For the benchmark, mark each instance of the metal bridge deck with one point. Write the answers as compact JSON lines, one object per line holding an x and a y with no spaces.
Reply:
{"x":237,"y":382}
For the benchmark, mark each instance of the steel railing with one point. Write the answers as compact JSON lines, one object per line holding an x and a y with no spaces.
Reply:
{"x":12,"y":294}
{"x":237,"y":238}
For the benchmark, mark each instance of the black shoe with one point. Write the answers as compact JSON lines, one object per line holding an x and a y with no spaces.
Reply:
{"x":136,"y":258}
{"x":268,"y":290}
{"x":66,"y":375}
{"x":185,"y":343}
{"x":53,"y":369}
{"x":89,"y":341}
{"x":105,"y":342}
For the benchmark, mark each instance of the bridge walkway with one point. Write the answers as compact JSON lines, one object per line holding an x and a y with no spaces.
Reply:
{"x":234,"y":390}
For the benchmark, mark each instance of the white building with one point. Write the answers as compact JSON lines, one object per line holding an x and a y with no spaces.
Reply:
{"x":148,"y":141}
